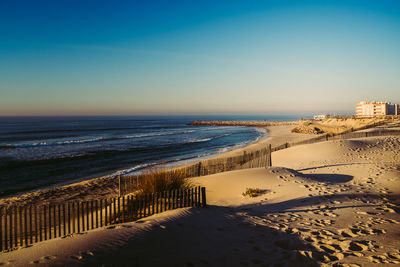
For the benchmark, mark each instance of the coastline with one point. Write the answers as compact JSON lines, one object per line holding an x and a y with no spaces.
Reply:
{"x":105,"y":186}
{"x":333,"y":202}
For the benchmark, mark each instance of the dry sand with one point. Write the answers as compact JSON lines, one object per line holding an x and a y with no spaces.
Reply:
{"x":277,"y":135}
{"x":336,"y":125}
{"x":331,"y":203}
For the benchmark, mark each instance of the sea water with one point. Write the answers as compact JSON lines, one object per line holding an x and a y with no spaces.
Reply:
{"x":40,"y":152}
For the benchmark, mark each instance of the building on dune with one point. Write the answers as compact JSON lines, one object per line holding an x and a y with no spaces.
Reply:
{"x":321,"y":117}
{"x":373,"y":109}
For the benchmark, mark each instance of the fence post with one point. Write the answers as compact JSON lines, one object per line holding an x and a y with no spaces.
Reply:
{"x":169,"y":199}
{"x":101,"y":212}
{"x":191,"y":197}
{"x":119,"y":185}
{"x":5,"y":229}
{"x":77,"y":218}
{"x":59,"y":219}
{"x":119,"y":209}
{"x":1,"y":229}
{"x":44,"y":222}
{"x":30,"y":225}
{"x":105,"y":212}
{"x":69,"y":217}
{"x":199,"y":169}
{"x":55,"y":220}
{"x":11,"y":226}
{"x":269,"y":156}
{"x":26,"y":226}
{"x":115,"y":210}
{"x":203,"y":197}
{"x":15,"y":226}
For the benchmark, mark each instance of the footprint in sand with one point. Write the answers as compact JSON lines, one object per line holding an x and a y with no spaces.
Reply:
{"x":43,"y":259}
{"x":338,"y":264}
{"x":363,"y":245}
{"x":77,"y":257}
{"x":379,"y":259}
{"x":48,"y":257}
{"x":82,"y":255}
{"x":394,"y":255}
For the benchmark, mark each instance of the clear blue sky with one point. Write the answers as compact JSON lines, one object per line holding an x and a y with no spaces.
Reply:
{"x":152,"y":57}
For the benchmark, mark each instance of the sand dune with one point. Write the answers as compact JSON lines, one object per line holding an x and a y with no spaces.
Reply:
{"x":333,"y":203}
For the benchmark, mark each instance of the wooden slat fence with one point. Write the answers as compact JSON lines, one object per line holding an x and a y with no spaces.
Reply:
{"x":253,"y":159}
{"x":24,"y":226}
{"x":346,"y":135}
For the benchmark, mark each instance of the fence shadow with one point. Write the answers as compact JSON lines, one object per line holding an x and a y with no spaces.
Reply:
{"x":295,"y":205}
{"x":335,"y":165}
{"x":22,"y":226}
{"x":216,"y":236}
{"x":227,"y":236}
{"x":330,"y":178}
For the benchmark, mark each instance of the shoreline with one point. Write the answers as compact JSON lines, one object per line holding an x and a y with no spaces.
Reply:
{"x":106,"y":186}
{"x":168,"y":164}
{"x":333,"y":203}
{"x":243,"y":123}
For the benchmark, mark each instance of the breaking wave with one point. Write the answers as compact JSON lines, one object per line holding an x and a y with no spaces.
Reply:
{"x":90,"y":140}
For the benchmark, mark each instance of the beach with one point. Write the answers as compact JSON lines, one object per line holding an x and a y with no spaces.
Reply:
{"x":330,"y":203}
{"x":107,"y":186}
{"x":200,"y":133}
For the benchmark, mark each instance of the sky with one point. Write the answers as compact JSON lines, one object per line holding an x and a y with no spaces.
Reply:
{"x":69,"y":57}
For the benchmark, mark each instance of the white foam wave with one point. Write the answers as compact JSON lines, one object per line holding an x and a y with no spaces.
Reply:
{"x":57,"y":143}
{"x":90,"y":140}
{"x":157,"y":134}
{"x":200,"y":140}
{"x":207,"y":139}
{"x":131,"y":170}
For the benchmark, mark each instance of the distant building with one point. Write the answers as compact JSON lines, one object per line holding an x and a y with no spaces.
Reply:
{"x":373,"y":109}
{"x":321,"y":117}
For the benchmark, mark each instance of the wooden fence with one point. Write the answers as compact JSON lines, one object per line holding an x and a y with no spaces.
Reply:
{"x":346,"y":135}
{"x":23,"y":226}
{"x":252,"y":159}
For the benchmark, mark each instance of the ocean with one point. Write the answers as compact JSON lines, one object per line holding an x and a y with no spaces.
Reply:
{"x":42,"y":152}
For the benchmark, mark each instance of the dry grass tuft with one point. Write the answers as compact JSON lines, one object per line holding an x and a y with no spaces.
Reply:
{"x":159,"y":180}
{"x":251,"y":192}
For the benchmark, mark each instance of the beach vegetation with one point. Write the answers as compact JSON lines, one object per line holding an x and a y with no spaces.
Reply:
{"x":251,"y":192}
{"x":156,"y":179}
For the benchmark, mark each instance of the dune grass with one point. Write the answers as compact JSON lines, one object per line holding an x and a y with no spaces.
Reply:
{"x":159,"y":180}
{"x":251,"y":192}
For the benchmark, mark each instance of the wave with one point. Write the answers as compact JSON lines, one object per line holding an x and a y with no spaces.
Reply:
{"x":157,"y":134}
{"x":207,"y":138}
{"x":134,"y":169}
{"x":85,"y":130}
{"x":200,"y":140}
{"x":90,"y":140}
{"x":57,"y":143}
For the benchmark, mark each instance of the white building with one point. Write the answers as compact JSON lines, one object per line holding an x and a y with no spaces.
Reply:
{"x":372,"y":109}
{"x":321,"y":117}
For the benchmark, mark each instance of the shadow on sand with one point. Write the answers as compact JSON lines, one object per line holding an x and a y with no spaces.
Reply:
{"x":330,"y":178}
{"x":220,"y":236}
{"x":215,"y":236}
{"x":335,"y":165}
